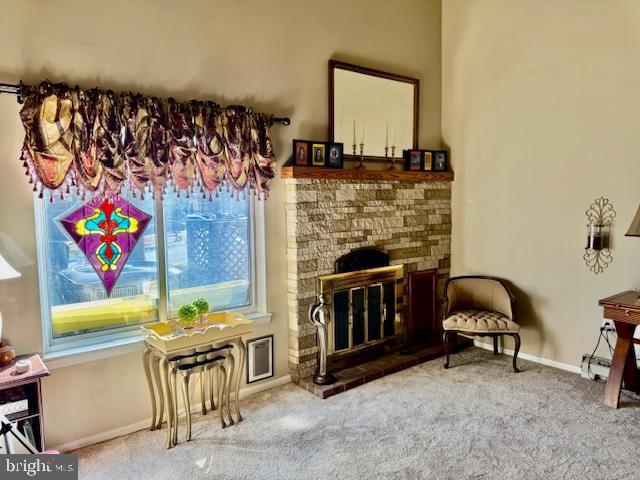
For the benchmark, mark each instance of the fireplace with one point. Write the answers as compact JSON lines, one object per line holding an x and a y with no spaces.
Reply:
{"x":364,"y":328}
{"x":365,"y":300}
{"x":409,"y":222}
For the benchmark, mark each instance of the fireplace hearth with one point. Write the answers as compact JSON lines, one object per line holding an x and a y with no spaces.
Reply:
{"x":363,"y":333}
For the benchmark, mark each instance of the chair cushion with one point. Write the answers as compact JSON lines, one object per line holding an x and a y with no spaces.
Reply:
{"x":479,"y":321}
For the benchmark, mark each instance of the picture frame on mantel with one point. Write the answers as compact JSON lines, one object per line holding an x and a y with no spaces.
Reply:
{"x":413,"y":160}
{"x":427,"y":162}
{"x":440,"y":161}
{"x":335,"y":155}
{"x":373,"y":107}
{"x":301,"y":152}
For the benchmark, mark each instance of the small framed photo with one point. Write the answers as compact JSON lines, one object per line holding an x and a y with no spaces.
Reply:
{"x":427,"y":164}
{"x":440,"y":161}
{"x":301,"y":153}
{"x":318,"y":155}
{"x":414,"y":160}
{"x":259,"y":358}
{"x":334,"y":155}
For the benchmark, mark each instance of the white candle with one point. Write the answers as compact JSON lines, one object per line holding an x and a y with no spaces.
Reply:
{"x":354,"y":132}
{"x":362,"y":139}
{"x":394,"y":134}
{"x":386,"y":137}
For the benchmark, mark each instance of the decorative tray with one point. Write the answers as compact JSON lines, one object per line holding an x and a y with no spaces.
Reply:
{"x":172,"y":336}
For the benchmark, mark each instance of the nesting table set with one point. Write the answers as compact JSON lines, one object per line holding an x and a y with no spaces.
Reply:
{"x":211,"y":350}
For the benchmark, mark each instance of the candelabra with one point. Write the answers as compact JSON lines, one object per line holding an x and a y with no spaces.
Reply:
{"x":392,"y":166}
{"x":360,"y":165}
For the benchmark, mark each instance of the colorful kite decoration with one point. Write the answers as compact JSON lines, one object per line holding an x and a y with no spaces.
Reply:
{"x":106,"y":231}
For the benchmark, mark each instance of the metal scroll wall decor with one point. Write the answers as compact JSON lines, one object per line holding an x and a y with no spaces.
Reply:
{"x":600,"y":215}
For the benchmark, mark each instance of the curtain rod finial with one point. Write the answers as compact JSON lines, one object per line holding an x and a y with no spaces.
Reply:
{"x":286,"y":121}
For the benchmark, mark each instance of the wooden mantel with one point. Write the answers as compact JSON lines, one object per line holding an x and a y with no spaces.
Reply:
{"x":319,"y":173}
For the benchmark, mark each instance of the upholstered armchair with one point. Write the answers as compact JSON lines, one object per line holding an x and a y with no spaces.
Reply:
{"x":479,"y":306}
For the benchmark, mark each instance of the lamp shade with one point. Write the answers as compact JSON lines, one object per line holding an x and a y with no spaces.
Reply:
{"x":634,"y":229}
{"x":6,"y":270}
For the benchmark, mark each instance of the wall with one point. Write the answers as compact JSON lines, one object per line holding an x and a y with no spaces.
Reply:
{"x":271,"y":55}
{"x":327,"y":219}
{"x":540,"y":102}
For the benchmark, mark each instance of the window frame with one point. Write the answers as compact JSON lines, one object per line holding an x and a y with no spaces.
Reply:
{"x":105,"y":339}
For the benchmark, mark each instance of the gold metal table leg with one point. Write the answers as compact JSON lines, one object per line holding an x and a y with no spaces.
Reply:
{"x":221,"y":384}
{"x":164,"y":374}
{"x":240,"y":369}
{"x":227,"y":385}
{"x":203,"y":401}
{"x":147,"y":358}
{"x":187,"y":402}
{"x":174,"y":395}
{"x":156,"y":373}
{"x":212,"y":387}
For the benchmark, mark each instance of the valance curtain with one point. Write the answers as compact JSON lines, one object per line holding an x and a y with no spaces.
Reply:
{"x":97,"y":142}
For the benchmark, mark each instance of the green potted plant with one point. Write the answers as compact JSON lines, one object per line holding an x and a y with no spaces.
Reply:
{"x":187,"y":314}
{"x":202,"y":305}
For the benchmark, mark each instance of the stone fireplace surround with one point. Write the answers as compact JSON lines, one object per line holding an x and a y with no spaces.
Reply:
{"x":327,"y":218}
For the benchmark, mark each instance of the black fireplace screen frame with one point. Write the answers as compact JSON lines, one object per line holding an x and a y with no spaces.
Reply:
{"x":361,"y":259}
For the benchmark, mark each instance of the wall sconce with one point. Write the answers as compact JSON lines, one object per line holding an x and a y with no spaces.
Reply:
{"x":600,"y":215}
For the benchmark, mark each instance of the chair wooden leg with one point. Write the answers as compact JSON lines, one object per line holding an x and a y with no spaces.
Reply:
{"x":516,"y":337}
{"x":445,"y":344}
{"x":495,"y":345}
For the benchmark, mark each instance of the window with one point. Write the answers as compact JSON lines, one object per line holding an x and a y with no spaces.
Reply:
{"x":207,"y":252}
{"x":201,"y":248}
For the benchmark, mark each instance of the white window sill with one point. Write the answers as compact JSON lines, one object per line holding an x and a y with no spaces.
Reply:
{"x":259,"y":318}
{"x":114,"y":348}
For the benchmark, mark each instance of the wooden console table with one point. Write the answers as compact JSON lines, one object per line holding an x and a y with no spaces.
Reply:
{"x":624,"y":310}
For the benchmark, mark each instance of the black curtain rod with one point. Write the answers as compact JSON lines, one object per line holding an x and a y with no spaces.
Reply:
{"x":16,"y":89}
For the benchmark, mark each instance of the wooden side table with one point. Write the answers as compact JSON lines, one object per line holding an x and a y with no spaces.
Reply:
{"x":26,"y":386}
{"x":624,"y":310}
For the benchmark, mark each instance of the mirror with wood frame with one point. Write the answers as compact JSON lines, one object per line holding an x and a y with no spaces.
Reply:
{"x":372,"y":107}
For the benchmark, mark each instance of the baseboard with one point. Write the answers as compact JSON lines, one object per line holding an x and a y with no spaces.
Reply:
{"x":143,"y":424}
{"x":260,"y":387}
{"x":532,"y":358}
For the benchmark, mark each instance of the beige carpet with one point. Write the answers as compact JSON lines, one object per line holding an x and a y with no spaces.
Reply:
{"x":476,"y":420}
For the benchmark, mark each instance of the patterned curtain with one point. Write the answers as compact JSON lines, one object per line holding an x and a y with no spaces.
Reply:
{"x":97,"y":142}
